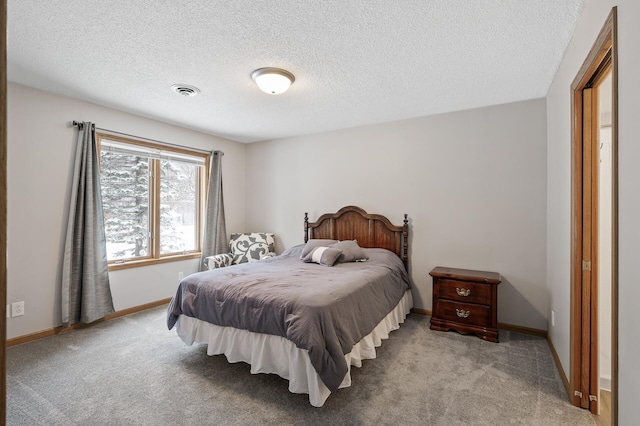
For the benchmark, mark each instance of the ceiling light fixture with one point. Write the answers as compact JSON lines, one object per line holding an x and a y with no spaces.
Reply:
{"x":185,"y":89}
{"x":272,"y":80}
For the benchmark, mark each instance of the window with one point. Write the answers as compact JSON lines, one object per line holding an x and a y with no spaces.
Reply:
{"x":153,"y":200}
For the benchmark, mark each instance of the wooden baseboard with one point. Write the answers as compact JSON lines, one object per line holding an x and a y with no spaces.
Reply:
{"x":421,"y":311}
{"x":523,"y":330}
{"x":565,"y":381}
{"x":57,"y":330}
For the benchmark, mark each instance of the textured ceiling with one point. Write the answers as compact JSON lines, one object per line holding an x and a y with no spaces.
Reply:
{"x":356,"y":62}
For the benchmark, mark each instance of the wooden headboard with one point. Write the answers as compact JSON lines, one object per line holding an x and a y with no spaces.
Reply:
{"x":370,"y":230}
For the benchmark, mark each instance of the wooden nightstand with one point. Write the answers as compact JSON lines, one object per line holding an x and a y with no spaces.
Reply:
{"x":465,"y":301}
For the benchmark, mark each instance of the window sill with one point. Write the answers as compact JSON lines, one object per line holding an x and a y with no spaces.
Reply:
{"x":148,"y":262}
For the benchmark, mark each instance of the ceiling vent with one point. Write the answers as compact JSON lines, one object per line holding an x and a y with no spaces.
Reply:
{"x":185,"y":89}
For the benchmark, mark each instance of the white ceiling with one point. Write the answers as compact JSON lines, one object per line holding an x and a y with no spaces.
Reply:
{"x":356,"y":62}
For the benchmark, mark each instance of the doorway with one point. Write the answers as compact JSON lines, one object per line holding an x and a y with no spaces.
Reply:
{"x":594,"y":253}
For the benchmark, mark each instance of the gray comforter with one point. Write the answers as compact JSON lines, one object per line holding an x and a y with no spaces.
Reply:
{"x":325,"y":310}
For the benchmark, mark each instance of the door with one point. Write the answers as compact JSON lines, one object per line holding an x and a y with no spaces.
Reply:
{"x":588,"y":255}
{"x":589,"y":264}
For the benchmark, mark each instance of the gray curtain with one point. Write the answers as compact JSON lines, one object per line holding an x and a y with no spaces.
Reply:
{"x":215,"y":230}
{"x":86,"y":295}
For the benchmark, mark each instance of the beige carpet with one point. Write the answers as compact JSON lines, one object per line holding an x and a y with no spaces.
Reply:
{"x":133,"y":371}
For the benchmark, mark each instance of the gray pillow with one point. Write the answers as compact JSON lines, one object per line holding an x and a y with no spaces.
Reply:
{"x":351,"y":251}
{"x":313,"y":243}
{"x":323,"y":255}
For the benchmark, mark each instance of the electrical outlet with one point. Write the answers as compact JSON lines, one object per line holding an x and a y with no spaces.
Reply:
{"x":180,"y":275}
{"x":553,"y":319}
{"x":17,"y":309}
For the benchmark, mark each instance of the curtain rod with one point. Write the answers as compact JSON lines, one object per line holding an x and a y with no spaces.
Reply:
{"x":79,"y":125}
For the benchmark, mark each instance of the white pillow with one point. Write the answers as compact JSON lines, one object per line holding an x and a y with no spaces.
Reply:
{"x":323,"y":255}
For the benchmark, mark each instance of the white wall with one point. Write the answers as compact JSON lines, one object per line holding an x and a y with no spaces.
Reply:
{"x":473,"y":183}
{"x":559,"y":192}
{"x":604,"y":255}
{"x":40,"y":156}
{"x":629,"y":205}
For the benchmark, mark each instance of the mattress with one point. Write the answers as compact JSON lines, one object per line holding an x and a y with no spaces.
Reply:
{"x":274,"y":354}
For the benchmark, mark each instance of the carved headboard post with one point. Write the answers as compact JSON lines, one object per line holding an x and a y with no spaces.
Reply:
{"x":306,"y":227}
{"x":405,"y":242}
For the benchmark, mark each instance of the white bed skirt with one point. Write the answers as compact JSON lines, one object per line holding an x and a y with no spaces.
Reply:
{"x":275,"y":354}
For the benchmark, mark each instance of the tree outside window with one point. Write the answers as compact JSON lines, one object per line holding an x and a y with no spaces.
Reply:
{"x":152,"y":199}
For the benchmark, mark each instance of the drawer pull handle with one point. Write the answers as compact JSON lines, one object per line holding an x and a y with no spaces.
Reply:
{"x":461,"y":313}
{"x":463,"y":291}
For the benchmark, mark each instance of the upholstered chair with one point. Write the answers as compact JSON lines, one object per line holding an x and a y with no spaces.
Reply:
{"x":244,"y":248}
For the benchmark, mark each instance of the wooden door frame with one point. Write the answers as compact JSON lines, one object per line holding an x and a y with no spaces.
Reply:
{"x":3,"y":213}
{"x":582,"y":299}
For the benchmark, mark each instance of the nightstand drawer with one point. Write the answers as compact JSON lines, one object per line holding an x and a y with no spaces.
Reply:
{"x":463,"y":291}
{"x":465,"y":313}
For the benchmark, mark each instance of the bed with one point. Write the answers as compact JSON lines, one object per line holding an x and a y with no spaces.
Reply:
{"x":306,"y":321}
